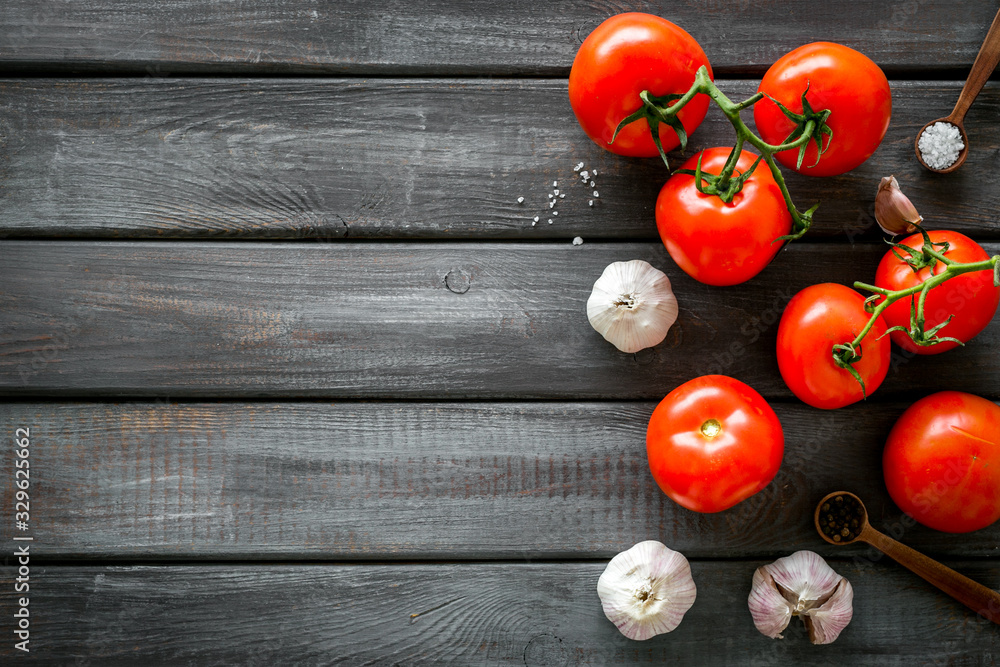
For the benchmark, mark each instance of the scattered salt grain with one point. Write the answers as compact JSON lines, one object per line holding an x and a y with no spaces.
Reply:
{"x":596,"y":195}
{"x":520,"y":200}
{"x":552,"y":204}
{"x":594,"y":173}
{"x":578,"y":167}
{"x":534,"y":222}
{"x":556,"y":191}
{"x":550,"y":221}
{"x":536,"y":219}
{"x":555,"y":212}
{"x":940,"y":145}
{"x":590,"y":202}
{"x":592,"y":184}
{"x":585,"y":175}
{"x":562,"y":196}
{"x":555,"y":184}
{"x":551,"y":195}
{"x":577,"y":241}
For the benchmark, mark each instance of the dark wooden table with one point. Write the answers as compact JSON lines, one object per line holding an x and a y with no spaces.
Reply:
{"x":305,"y":386}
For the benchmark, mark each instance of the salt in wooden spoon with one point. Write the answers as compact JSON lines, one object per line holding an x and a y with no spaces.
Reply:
{"x":978,"y":598}
{"x":982,"y":68}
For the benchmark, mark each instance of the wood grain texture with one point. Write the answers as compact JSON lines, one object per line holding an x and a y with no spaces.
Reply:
{"x":391,"y":481}
{"x":328,"y":159}
{"x":532,"y":615}
{"x":519,"y":37}
{"x":399,"y":320}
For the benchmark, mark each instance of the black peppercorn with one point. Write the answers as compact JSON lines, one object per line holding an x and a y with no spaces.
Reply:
{"x":842,"y":519}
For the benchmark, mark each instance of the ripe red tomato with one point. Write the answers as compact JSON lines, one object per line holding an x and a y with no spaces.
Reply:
{"x":942,"y":462}
{"x":971,"y":297}
{"x":840,"y":79}
{"x":622,"y":57}
{"x":718,"y":243}
{"x":713,"y":442}
{"x":816,"y":319}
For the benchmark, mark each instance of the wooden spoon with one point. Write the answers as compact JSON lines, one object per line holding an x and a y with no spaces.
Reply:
{"x":978,"y":598}
{"x":982,"y":68}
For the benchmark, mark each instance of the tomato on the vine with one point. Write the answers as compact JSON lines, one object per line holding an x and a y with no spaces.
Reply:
{"x":713,"y":442}
{"x":816,"y":319}
{"x":622,"y":57}
{"x":718,"y":243}
{"x":942,"y":462}
{"x":840,"y":79}
{"x":971,"y":298}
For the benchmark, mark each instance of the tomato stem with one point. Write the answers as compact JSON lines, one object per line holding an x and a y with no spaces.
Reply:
{"x":811,"y":126}
{"x":846,"y":354}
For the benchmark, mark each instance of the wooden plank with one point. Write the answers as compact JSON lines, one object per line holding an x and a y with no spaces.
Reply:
{"x":475,"y":614}
{"x":439,"y":159}
{"x":393,"y":481}
{"x":400,"y":320}
{"x":516,"y":37}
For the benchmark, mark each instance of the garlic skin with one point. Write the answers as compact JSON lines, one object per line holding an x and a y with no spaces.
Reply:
{"x":801,"y":585}
{"x":894,"y":212}
{"x":646,"y":590}
{"x":632,"y":305}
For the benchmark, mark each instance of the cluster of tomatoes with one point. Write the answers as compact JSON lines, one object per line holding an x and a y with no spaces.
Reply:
{"x":714,"y":441}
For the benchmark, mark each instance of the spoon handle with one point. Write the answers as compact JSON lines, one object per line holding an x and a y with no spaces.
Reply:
{"x":975,"y":596}
{"x":982,"y":68}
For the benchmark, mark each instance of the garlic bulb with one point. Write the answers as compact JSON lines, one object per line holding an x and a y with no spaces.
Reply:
{"x":801,"y":585}
{"x":894,"y":212}
{"x":632,"y":305}
{"x":646,"y":590}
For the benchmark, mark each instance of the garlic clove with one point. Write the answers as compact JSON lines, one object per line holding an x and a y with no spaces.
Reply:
{"x":804,"y":585}
{"x":646,"y":590}
{"x":826,"y":622}
{"x":894,"y":212}
{"x":770,"y":610}
{"x":805,"y":575}
{"x":632,"y":305}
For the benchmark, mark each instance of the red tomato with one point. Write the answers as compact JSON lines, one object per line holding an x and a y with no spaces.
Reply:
{"x":942,"y":462}
{"x":718,"y":243}
{"x":713,"y":442}
{"x":971,"y":297}
{"x":622,"y":57}
{"x":840,"y":79}
{"x":816,"y":319}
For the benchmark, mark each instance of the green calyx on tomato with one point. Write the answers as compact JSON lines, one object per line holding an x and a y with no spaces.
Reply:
{"x":714,"y":241}
{"x":626,"y":58}
{"x":966,"y":304}
{"x":835,"y":78}
{"x":817,"y":130}
{"x":814,"y":363}
{"x":665,"y":109}
{"x":723,"y":186}
{"x":964,"y":298}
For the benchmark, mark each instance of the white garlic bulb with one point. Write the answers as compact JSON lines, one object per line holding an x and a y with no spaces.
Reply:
{"x":801,"y":585}
{"x":632,"y":305}
{"x":646,"y":590}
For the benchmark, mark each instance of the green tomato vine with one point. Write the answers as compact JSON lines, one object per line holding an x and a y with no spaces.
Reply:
{"x":810,"y":125}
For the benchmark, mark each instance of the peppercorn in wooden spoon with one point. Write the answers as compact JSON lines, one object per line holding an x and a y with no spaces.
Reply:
{"x":841,"y":518}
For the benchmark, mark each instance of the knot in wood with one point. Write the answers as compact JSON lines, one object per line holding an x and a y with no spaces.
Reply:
{"x":457,"y":281}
